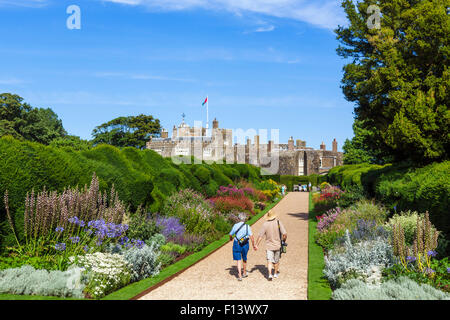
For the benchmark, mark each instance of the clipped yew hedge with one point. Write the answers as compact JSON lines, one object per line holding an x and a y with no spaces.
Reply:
{"x":141,"y":177}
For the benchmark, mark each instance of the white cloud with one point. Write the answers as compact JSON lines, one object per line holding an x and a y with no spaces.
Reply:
{"x":138,"y":76}
{"x":11,"y":81}
{"x":24,"y":3}
{"x":321,"y":13}
{"x":265,"y":29}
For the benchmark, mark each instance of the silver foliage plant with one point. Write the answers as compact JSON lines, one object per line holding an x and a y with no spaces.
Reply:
{"x":401,"y":288}
{"x":143,"y":261}
{"x":363,"y":260}
{"x":28,"y":281}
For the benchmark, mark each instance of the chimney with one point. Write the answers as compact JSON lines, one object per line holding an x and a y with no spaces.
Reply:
{"x":270,"y":146}
{"x":291,"y":144}
{"x":335,"y":145}
{"x":164,"y":134}
{"x":215,"y":124}
{"x":322,"y":146}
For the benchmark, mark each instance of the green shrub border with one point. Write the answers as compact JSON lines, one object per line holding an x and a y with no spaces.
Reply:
{"x":318,"y":286}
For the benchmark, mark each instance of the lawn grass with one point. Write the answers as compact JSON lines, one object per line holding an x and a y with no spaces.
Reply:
{"x":318,"y":286}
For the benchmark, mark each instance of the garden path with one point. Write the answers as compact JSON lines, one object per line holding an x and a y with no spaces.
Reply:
{"x":215,"y":277}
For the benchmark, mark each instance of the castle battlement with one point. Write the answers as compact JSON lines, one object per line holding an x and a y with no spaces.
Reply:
{"x":216,"y":144}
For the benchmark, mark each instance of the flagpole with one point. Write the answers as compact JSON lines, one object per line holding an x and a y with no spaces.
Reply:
{"x":207,"y":119}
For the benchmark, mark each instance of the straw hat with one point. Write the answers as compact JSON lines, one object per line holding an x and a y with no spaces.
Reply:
{"x":271,"y":215}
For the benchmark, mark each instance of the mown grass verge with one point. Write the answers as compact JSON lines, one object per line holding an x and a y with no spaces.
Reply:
{"x":318,"y":286}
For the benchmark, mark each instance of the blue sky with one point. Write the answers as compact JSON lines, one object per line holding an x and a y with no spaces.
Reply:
{"x":265,"y":64}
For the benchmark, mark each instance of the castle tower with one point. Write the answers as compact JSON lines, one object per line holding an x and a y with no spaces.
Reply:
{"x":291,"y":144}
{"x":335,"y":145}
{"x":215,"y":124}
{"x":322,"y":146}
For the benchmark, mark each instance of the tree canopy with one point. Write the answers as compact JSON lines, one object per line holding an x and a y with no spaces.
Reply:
{"x":132,"y":131}
{"x":22,"y":121}
{"x":399,"y":77}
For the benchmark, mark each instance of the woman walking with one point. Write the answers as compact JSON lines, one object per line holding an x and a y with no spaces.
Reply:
{"x":241,"y":233}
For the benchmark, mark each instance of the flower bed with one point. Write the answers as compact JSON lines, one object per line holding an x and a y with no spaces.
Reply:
{"x":367,"y":254}
{"x":98,"y":246}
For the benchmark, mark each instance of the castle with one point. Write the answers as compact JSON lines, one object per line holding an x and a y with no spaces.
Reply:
{"x":217,"y":145}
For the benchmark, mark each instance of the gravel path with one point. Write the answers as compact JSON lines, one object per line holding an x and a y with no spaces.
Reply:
{"x":215,"y":278}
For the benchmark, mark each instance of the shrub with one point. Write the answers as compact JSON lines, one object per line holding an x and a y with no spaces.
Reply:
{"x":190,"y":241}
{"x":228,"y":204}
{"x":350,"y":196}
{"x":173,"y":247}
{"x":28,"y":281}
{"x":193,"y":211}
{"x":402,"y":288}
{"x":202,"y":174}
{"x":157,"y":240}
{"x":328,"y":218}
{"x":40,"y":262}
{"x":360,"y":258}
{"x":143,"y":261}
{"x":408,"y":221}
{"x":141,"y":226}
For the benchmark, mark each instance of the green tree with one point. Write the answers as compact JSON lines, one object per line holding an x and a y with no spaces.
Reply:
{"x":23,"y":121}
{"x":132,"y":131}
{"x":399,"y":76}
{"x":354,"y":149}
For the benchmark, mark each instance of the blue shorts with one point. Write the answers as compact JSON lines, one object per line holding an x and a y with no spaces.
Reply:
{"x":240,"y":253}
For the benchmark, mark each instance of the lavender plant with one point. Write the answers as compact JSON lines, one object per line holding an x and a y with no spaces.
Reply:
{"x":170,"y":226}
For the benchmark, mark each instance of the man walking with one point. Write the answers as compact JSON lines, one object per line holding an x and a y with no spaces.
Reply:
{"x":273,"y":230}
{"x":241,"y":232}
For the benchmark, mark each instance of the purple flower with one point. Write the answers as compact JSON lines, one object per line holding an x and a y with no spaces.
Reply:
{"x":138,"y":243}
{"x":410,"y":258}
{"x":60,"y":246}
{"x":59,"y":229}
{"x":428,"y":270}
{"x":86,"y":248}
{"x":170,"y":226}
{"x":75,"y":239}
{"x":431,"y":253}
{"x":74,"y":220}
{"x":448,"y":270}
